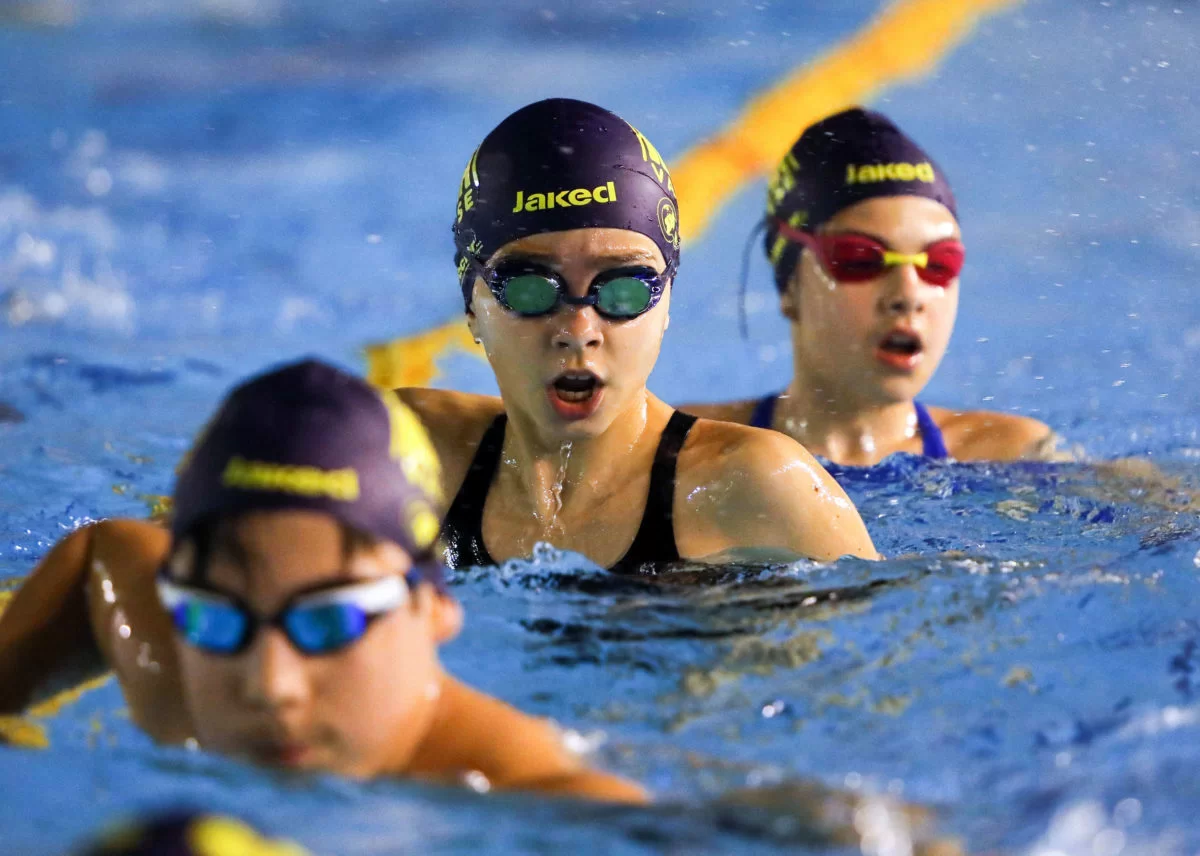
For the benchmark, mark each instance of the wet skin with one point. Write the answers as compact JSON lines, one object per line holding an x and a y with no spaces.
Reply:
{"x":382,"y":706}
{"x":851,"y":395}
{"x":578,"y":477}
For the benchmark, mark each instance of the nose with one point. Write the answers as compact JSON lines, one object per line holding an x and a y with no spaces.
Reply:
{"x":276,"y":674}
{"x":577,"y":329}
{"x":902,"y":293}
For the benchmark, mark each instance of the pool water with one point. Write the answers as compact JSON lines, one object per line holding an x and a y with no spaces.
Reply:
{"x":192,"y":190}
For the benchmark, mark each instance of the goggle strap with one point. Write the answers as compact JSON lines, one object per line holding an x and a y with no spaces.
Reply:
{"x":744,"y":280}
{"x":172,"y":595}
{"x":372,"y":596}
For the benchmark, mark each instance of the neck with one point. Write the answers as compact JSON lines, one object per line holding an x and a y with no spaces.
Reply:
{"x":840,"y":423}
{"x":551,"y":471}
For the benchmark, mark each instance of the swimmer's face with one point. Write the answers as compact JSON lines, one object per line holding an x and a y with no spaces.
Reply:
{"x":360,"y":711}
{"x":881,"y":340}
{"x":542,"y":363}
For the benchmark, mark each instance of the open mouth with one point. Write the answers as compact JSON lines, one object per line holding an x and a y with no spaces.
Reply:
{"x":901,"y":350}
{"x":575,"y":395}
{"x":576,"y":387}
{"x":902,"y":343}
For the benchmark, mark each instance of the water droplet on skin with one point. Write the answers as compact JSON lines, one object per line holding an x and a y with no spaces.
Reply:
{"x":477,"y":781}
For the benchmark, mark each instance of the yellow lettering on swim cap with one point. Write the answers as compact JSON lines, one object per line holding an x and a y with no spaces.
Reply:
{"x":872,"y":173}
{"x":222,"y":836}
{"x":570,"y":198}
{"x":340,"y":484}
{"x":410,"y":445}
{"x":466,"y":187}
{"x":651,"y":156}
{"x":782,"y":181}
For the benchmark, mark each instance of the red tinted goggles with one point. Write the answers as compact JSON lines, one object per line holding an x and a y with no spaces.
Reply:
{"x":852,"y":258}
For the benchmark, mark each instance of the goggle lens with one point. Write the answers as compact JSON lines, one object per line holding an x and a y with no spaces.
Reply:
{"x":322,"y":629}
{"x":624,"y":297}
{"x":850,"y":258}
{"x":530,"y":294}
{"x":945,"y":262}
{"x":210,"y":624}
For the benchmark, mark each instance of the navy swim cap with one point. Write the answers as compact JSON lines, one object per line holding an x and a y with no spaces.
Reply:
{"x":843,"y":159}
{"x":562,"y":164}
{"x":310,"y":436}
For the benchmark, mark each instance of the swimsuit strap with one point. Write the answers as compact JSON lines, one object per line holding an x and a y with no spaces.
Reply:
{"x":764,"y":412}
{"x":655,"y":539}
{"x":932,"y":441}
{"x":462,"y":530}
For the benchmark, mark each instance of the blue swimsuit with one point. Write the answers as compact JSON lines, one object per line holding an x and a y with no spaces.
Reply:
{"x":933,"y":444}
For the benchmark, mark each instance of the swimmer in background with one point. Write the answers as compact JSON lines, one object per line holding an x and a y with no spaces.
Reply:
{"x":567,"y":238}
{"x":863,"y":234}
{"x":292,"y":613}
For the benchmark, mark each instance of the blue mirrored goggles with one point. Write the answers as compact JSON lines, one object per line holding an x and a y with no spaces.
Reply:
{"x":530,"y":289}
{"x":316,"y":621}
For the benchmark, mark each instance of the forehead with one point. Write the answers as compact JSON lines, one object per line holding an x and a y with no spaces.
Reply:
{"x":598,"y":246}
{"x":282,"y":551}
{"x":897,"y":219}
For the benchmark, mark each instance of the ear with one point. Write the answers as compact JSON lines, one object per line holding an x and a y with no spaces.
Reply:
{"x":447,"y":616}
{"x":789,"y":303}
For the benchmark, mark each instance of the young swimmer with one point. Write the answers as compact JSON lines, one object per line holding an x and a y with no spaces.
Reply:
{"x":871,"y":303}
{"x":568,"y":241}
{"x":292,"y":614}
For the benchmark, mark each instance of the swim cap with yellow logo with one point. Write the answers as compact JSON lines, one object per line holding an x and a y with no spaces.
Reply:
{"x":310,"y":436}
{"x":843,"y":159}
{"x":562,"y":164}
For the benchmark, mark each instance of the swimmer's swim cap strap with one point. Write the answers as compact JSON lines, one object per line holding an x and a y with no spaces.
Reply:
{"x":843,"y":159}
{"x":562,"y":164}
{"x":310,"y":436}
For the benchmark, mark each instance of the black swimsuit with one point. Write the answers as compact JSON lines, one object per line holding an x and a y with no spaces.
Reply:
{"x":462,"y":531}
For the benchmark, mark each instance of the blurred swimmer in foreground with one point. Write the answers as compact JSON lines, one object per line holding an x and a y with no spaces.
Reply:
{"x":292,"y":613}
{"x":567,"y":238}
{"x":863,"y":234}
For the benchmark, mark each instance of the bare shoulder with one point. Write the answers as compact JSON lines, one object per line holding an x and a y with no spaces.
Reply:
{"x":975,"y":435}
{"x":513,"y":750}
{"x":746,"y":487}
{"x":730,"y":411}
{"x":456,"y":422}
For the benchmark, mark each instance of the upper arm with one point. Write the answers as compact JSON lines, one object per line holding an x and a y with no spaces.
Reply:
{"x":46,"y":624}
{"x":766,"y":491}
{"x":455,"y":423}
{"x":983,"y":435}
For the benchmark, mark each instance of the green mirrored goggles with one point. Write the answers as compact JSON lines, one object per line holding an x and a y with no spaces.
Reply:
{"x":531,"y":289}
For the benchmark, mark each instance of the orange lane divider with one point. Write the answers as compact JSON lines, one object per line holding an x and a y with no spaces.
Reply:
{"x":905,"y":41}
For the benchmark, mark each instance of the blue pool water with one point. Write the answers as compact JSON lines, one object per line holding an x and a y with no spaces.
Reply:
{"x":194,"y":189}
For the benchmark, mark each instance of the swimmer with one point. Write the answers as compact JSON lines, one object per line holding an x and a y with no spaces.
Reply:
{"x":292,"y":613}
{"x":863,"y":234}
{"x":567,"y":237}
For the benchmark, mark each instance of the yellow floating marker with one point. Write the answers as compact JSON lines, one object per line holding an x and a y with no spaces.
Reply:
{"x":903,"y":42}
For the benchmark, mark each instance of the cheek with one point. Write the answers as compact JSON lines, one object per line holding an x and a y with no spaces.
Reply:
{"x":834,"y":313}
{"x":943,"y":310}
{"x":635,"y":345}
